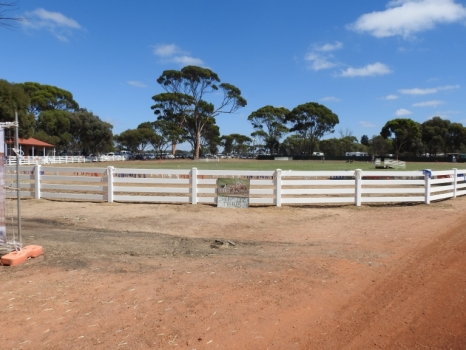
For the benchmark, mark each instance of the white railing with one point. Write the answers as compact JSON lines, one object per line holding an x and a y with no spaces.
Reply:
{"x":394,"y":164}
{"x":266,"y":187}
{"x":389,"y":164}
{"x":30,"y":160}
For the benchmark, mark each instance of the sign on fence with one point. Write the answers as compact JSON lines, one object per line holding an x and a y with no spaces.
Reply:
{"x":232,"y":193}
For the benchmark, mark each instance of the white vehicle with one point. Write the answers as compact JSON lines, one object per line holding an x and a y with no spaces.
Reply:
{"x":125,"y":154}
{"x":92,"y":158}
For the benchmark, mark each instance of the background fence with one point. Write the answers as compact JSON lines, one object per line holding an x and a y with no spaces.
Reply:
{"x":266,"y":187}
{"x":32,"y":160}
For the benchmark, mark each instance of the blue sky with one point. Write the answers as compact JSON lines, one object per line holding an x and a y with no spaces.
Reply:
{"x":368,"y":61}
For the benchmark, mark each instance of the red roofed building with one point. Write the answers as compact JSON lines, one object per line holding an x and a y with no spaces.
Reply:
{"x":30,"y":147}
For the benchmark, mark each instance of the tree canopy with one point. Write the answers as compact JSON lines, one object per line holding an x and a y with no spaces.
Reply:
{"x":379,"y":146}
{"x":365,"y":140}
{"x":312,"y":121}
{"x":90,"y":133}
{"x":48,"y":97}
{"x":50,"y":114}
{"x":456,"y":138}
{"x":14,"y":99}
{"x":130,"y":139}
{"x":184,"y":102}
{"x":210,"y":139}
{"x":401,"y":131}
{"x":271,"y":121}
{"x":236,"y":143}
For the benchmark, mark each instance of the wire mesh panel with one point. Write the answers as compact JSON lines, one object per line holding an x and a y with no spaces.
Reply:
{"x":9,"y":214}
{"x":2,"y":190}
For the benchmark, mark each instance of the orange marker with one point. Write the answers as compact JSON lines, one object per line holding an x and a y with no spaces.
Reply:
{"x":18,"y":257}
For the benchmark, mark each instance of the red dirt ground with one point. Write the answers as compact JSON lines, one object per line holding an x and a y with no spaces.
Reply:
{"x":137,"y":276}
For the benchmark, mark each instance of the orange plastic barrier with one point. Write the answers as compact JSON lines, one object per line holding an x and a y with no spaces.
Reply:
{"x":18,"y":257}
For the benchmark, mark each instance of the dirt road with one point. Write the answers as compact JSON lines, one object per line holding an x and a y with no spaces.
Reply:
{"x":137,"y":276}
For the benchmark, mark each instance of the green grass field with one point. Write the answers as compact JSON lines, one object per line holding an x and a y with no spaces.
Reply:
{"x":252,"y":164}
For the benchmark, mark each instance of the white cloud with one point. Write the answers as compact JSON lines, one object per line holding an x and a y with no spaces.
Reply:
{"x":407,"y":17}
{"x":166,"y":50}
{"x":44,"y":18}
{"x":187,"y":60}
{"x":368,"y":71}
{"x":365,"y":124}
{"x":391,"y":97}
{"x":433,"y":103}
{"x":319,"y":62}
{"x":171,"y":53}
{"x":417,"y":91}
{"x":137,"y":84}
{"x":402,"y":112}
{"x":320,"y":56}
{"x":330,"y":99}
{"x":54,"y":22}
{"x":329,"y":47}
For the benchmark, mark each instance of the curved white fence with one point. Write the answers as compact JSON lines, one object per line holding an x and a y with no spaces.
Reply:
{"x":32,"y":160}
{"x":266,"y":187}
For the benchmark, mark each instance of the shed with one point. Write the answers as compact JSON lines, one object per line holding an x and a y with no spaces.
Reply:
{"x":30,"y":147}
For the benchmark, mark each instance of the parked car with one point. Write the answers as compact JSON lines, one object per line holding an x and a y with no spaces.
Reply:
{"x":93,"y":158}
{"x":138,"y":157}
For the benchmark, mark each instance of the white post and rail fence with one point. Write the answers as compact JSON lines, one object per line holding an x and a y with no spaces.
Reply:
{"x":274,"y":187}
{"x":32,"y":160}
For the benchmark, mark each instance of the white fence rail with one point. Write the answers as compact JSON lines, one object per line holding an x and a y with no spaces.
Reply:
{"x":266,"y":187}
{"x":32,"y":160}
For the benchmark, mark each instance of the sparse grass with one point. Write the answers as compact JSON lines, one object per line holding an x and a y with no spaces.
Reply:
{"x":252,"y":164}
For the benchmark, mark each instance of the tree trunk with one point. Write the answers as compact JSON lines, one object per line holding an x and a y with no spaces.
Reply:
{"x":174,"y":147}
{"x":197,"y":145}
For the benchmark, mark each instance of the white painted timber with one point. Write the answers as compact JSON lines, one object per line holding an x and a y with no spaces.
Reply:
{"x":139,"y":189}
{"x":161,"y":199}
{"x":96,"y":197}
{"x":391,"y":199}
{"x":73,"y":187}
{"x":266,"y":187}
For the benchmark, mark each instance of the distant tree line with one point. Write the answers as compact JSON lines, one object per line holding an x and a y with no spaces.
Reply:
{"x":400,"y":137}
{"x":50,"y":114}
{"x":183,"y":114}
{"x":195,"y":96}
{"x":187,"y":111}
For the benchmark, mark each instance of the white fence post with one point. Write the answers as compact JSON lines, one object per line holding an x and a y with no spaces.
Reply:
{"x":36,"y":181}
{"x":110,"y":184}
{"x":455,"y":181}
{"x":278,"y":187}
{"x":194,"y":186}
{"x":427,"y":176}
{"x":357,"y":187}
